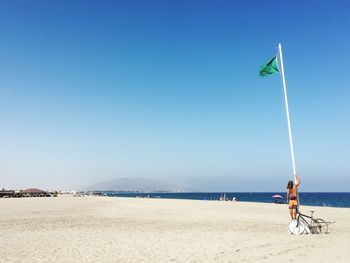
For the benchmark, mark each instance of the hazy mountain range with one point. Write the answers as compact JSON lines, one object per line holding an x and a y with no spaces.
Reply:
{"x":136,"y":185}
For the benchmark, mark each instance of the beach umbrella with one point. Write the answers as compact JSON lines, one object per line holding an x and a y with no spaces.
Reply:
{"x":277,"y":196}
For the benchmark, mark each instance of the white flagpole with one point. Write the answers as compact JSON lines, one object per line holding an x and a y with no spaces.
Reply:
{"x":287,"y":110}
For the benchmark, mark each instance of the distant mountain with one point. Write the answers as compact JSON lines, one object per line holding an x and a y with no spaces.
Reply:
{"x":136,"y":185}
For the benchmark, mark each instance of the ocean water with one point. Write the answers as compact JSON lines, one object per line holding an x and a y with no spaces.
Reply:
{"x":306,"y":199}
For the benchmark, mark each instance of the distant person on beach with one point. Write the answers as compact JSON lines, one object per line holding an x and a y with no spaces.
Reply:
{"x":292,"y":197}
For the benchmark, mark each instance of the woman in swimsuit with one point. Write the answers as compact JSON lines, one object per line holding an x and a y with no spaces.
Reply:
{"x":292,"y":196}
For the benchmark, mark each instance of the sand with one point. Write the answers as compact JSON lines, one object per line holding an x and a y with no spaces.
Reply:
{"x":106,"y":229}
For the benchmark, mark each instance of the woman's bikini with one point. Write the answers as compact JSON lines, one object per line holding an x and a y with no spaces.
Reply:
{"x":293,"y":201}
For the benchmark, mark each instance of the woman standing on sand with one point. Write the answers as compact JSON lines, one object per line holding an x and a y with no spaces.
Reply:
{"x":292,"y":197}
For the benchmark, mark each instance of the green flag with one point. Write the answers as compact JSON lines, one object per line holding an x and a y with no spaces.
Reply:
{"x":269,"y":68}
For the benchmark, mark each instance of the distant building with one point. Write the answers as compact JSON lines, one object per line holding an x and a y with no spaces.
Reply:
{"x":34,"y":192}
{"x":7,"y":193}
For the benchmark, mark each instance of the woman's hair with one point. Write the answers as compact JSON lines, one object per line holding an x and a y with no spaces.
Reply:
{"x":290,"y":185}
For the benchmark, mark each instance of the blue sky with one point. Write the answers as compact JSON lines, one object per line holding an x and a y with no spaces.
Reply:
{"x":169,"y":90}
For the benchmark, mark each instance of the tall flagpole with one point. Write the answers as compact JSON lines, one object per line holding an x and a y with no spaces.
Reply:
{"x":287,"y":110}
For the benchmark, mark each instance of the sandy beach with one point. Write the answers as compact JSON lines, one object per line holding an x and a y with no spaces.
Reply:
{"x":105,"y":229}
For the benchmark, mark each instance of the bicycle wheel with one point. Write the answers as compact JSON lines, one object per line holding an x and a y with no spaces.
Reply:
{"x":296,"y":228}
{"x":320,"y":226}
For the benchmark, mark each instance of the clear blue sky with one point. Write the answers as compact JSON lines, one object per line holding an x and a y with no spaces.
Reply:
{"x":169,"y":90}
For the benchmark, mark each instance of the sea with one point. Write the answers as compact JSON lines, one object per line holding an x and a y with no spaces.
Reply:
{"x":306,"y":199}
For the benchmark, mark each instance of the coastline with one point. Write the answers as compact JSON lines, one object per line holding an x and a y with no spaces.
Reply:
{"x":114,"y":229}
{"x":319,"y":199}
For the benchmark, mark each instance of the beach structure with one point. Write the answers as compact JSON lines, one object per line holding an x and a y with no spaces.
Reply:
{"x":7,"y":193}
{"x":34,"y":192}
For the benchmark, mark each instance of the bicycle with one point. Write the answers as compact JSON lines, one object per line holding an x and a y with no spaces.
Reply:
{"x":307,"y":224}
